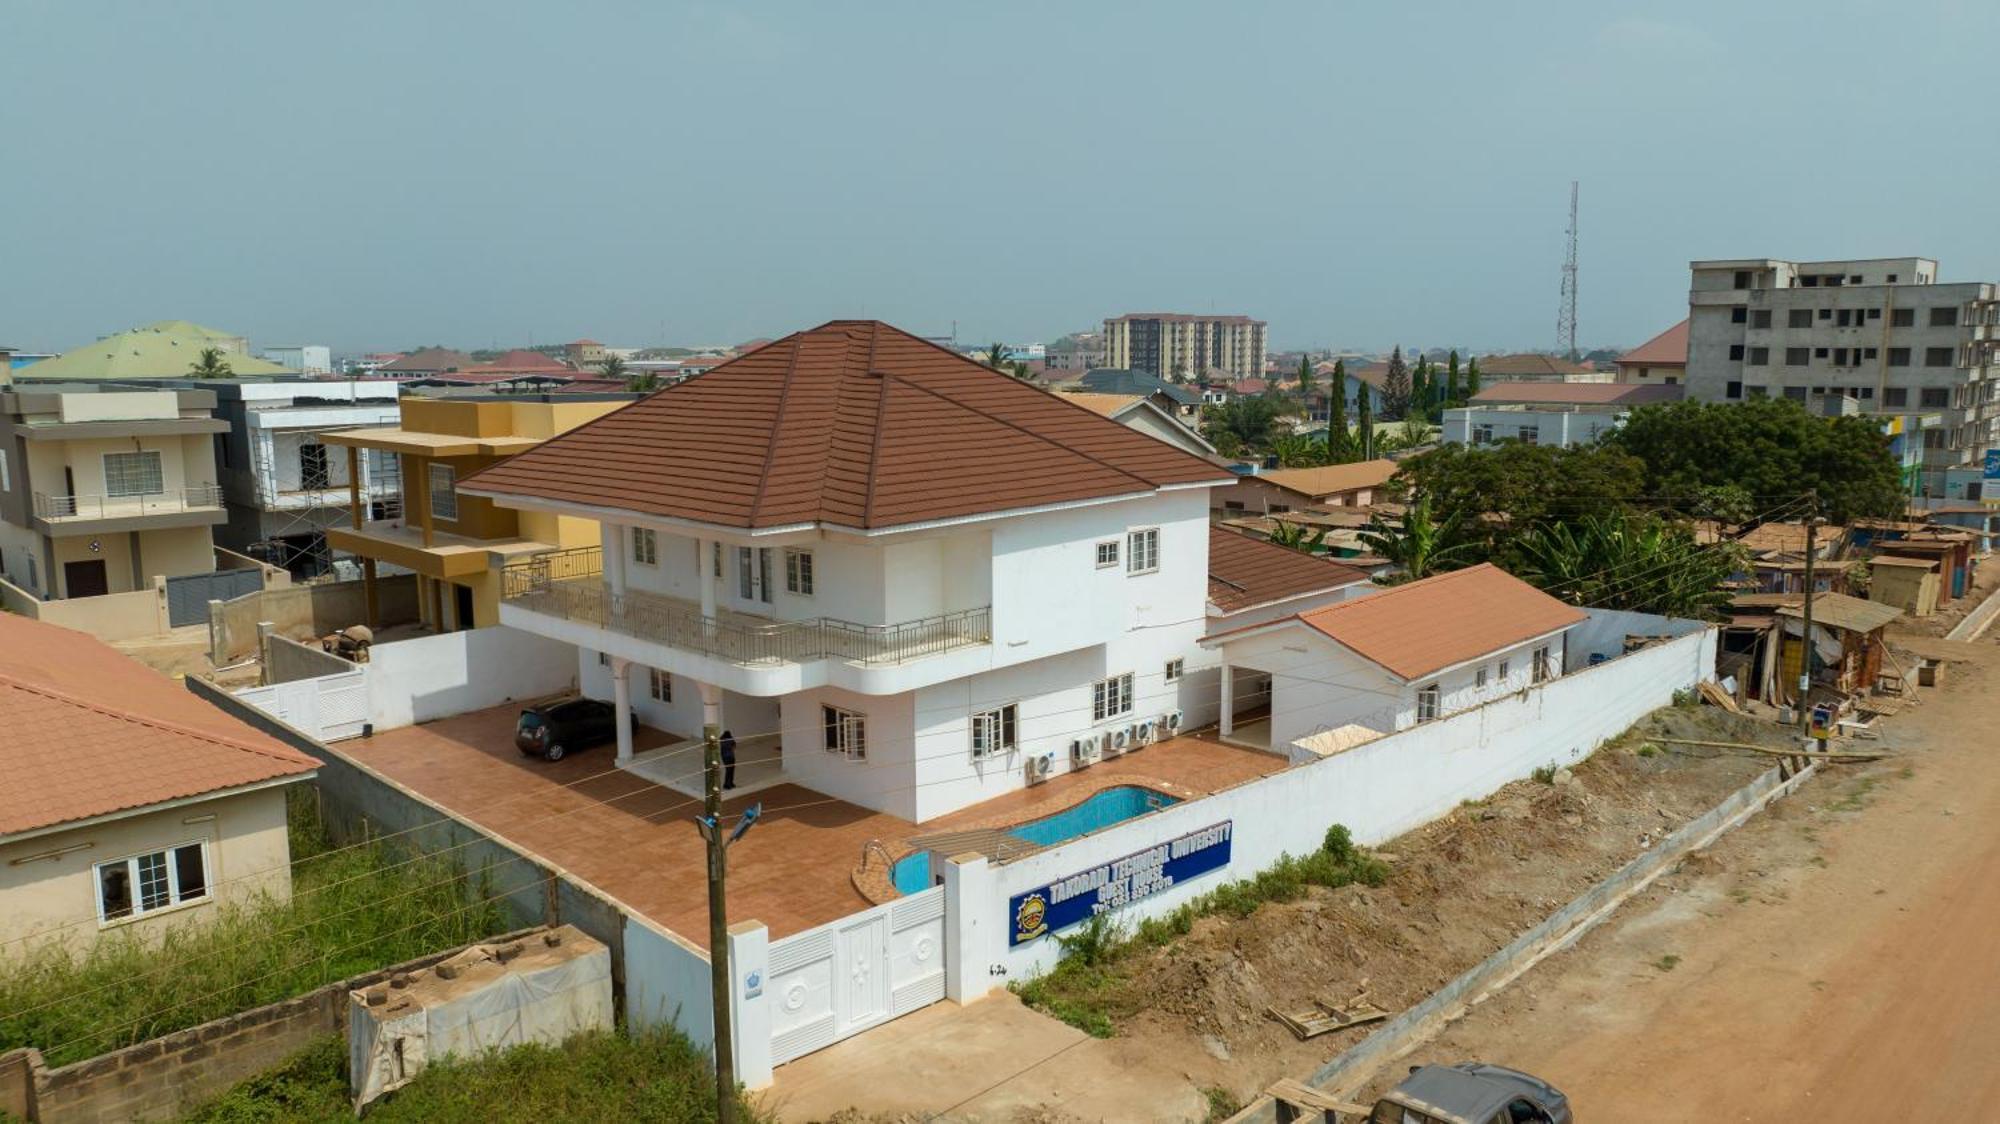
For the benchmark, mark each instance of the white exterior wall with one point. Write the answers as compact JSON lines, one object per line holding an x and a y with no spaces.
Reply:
{"x":411,"y":681}
{"x":1560,"y":428}
{"x":1319,"y":685}
{"x":1378,"y":790}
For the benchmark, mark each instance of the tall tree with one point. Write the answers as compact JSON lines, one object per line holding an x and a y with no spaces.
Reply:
{"x":1471,"y":378}
{"x":1364,"y":425}
{"x":1339,"y":443}
{"x":210,"y":365}
{"x":1420,"y":390}
{"x":1241,"y":426}
{"x":1497,"y":492}
{"x":1767,"y":449}
{"x":1305,"y":377}
{"x":996,"y":355}
{"x":1396,"y":387}
{"x":1451,"y":387}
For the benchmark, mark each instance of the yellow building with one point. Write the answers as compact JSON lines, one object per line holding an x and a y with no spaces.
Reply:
{"x":455,"y":543}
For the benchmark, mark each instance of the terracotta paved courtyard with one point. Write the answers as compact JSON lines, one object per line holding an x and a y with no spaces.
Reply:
{"x":634,"y":840}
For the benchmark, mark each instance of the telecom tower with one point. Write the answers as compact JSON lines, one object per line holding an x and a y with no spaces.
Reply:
{"x":1566,"y":312}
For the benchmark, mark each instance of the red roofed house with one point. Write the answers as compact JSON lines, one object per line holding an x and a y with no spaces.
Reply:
{"x":128,"y":801}
{"x":900,"y":577}
{"x":1550,"y":413}
{"x":1390,"y":660}
{"x":1662,"y":360}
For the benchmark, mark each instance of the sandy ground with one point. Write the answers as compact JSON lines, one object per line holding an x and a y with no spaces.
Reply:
{"x":1833,"y":960}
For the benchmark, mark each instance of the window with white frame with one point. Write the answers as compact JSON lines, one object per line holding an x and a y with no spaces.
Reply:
{"x":1111,"y":697}
{"x":799,"y":572}
{"x":133,"y":474}
{"x":1107,"y":554}
{"x":1175,"y":669}
{"x":142,"y":884}
{"x":645,"y":546}
{"x":1479,"y":677}
{"x":444,"y":492}
{"x":660,"y":685}
{"x":993,"y":732}
{"x":1427,"y":702}
{"x":846,"y":733}
{"x":1482,"y":434}
{"x":1544,"y":667}
{"x":1142,"y":551}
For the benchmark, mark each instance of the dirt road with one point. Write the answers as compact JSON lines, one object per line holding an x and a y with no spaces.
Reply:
{"x":1836,"y":960}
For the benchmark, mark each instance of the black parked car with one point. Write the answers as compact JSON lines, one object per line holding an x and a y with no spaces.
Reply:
{"x":554,"y":729}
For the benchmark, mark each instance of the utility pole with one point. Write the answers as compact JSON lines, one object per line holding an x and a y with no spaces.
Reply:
{"x":1806,"y":655}
{"x":710,"y":826}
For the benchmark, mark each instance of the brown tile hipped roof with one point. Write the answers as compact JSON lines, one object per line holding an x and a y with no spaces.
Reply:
{"x":1577,"y":394}
{"x":91,"y":732}
{"x":1244,"y":572}
{"x":852,"y":423}
{"x":1330,"y":479}
{"x":1529,"y":363}
{"x":1425,"y":626}
{"x":1668,"y":349}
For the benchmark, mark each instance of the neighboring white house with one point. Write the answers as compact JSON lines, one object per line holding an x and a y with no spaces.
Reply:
{"x":1550,"y":413}
{"x":899,"y":576}
{"x":1145,"y":415}
{"x":129,"y":803}
{"x":307,"y":359}
{"x":1389,"y":660}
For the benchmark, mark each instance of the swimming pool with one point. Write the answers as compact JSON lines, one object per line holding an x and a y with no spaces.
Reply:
{"x":1113,"y":805}
{"x":912,"y":873}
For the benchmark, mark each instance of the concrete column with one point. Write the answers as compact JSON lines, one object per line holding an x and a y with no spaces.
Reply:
{"x":975,"y":928}
{"x":621,"y":701}
{"x":750,"y":1008}
{"x":373,"y":610}
{"x":1228,"y":725}
{"x":705,"y":566}
{"x":421,"y":488}
{"x":617,"y":544}
{"x":354,"y":484}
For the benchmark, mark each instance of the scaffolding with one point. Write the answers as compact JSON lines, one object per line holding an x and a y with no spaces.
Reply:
{"x":293,"y":521}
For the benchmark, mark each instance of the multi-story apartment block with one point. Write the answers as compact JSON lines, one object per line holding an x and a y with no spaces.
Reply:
{"x":912,"y":579}
{"x":282,"y":485}
{"x":1186,"y":348}
{"x":1076,"y":353}
{"x":102,"y":488}
{"x":1881,"y":331}
{"x":454,"y":543}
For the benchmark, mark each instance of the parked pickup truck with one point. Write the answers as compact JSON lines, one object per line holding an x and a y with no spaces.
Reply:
{"x":1471,"y":1093}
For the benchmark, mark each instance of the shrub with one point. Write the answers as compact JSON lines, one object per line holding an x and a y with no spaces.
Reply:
{"x":1546,"y":774}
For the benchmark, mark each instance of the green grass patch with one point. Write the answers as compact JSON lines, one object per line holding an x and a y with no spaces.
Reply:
{"x":351,"y":911}
{"x":1222,"y":1104}
{"x":1088,"y":987}
{"x":1857,"y":797}
{"x":655,"y":1076}
{"x":1667,"y":963}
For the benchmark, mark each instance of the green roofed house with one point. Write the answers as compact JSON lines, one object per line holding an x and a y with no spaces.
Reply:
{"x":163,"y":350}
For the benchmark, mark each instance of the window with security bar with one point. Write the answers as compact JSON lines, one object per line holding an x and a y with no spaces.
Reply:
{"x":133,"y":474}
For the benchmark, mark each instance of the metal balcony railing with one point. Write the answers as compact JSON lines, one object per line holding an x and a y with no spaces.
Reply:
{"x":98,"y":506}
{"x":569,"y":584}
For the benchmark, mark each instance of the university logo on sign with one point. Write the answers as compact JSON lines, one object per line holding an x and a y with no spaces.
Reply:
{"x":1072,"y":900}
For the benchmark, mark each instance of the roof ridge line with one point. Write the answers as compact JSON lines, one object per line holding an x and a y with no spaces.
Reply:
{"x":881,"y":412}
{"x":777,"y":421}
{"x":1016,"y":427}
{"x":153,"y":723}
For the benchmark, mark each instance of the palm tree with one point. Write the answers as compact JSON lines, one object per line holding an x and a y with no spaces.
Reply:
{"x":1243,"y":425}
{"x":614,"y":368}
{"x":996,"y":356}
{"x":1639,"y":563}
{"x":1298,"y":451}
{"x":211,"y":365}
{"x":1295,"y":536}
{"x":643,"y":382}
{"x":1419,"y":544}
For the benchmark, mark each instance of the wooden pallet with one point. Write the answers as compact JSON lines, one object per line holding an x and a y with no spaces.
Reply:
{"x":1326,"y":1016}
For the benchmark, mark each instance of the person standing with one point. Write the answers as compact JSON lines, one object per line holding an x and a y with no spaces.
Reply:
{"x":728,"y":760}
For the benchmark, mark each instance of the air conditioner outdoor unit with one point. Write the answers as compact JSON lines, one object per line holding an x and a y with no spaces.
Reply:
{"x":1145,"y":734}
{"x":1172,"y":721}
{"x":1132,"y":737}
{"x":1122,"y":738}
{"x":1108,"y":745}
{"x":1039,"y":767}
{"x":1083,"y":753}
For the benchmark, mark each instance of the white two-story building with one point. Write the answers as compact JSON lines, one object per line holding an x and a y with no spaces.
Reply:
{"x":896,"y":576}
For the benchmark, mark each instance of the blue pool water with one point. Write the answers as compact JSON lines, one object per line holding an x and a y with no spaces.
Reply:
{"x":912,"y":873}
{"x":1113,"y":805}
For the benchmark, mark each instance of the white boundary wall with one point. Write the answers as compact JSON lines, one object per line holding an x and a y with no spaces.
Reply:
{"x":412,"y":681}
{"x":1379,"y":789}
{"x":667,"y":982}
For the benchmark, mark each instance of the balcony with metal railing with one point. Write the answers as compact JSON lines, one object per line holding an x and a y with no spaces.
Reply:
{"x":198,"y":499}
{"x":569,"y":585}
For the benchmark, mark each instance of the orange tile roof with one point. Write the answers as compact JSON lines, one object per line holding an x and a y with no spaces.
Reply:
{"x":1576,"y":394}
{"x":91,"y":732}
{"x":1107,"y":405}
{"x":1530,"y":363}
{"x":1425,"y":626}
{"x":854,"y":424}
{"x":1330,"y":479}
{"x":1668,"y":349}
{"x":1245,"y":572}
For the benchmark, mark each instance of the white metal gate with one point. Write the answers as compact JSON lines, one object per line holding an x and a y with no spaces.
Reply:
{"x":329,"y":708}
{"x":844,"y":977}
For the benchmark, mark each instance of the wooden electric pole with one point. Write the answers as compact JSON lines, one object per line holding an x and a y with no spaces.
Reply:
{"x":718,"y":929}
{"x":1806,"y":655}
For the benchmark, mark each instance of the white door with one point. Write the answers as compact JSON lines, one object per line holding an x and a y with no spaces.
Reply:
{"x":862,"y":959}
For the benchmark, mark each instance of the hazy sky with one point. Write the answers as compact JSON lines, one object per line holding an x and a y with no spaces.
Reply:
{"x":384,"y":174}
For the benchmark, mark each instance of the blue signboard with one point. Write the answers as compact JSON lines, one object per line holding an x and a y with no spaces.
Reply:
{"x":1993,"y":464}
{"x":1072,"y":900}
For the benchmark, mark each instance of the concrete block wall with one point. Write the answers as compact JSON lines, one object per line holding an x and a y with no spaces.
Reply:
{"x":160,"y":1078}
{"x":304,"y":610}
